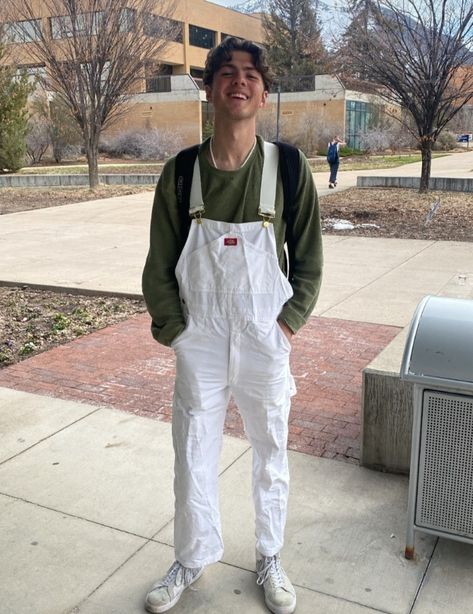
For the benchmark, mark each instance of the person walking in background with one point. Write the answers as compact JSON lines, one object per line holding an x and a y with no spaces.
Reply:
{"x":218,"y":294}
{"x":333,"y":158}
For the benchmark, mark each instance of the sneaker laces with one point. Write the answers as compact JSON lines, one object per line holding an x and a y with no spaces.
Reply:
{"x":270,"y":569}
{"x":172,"y":576}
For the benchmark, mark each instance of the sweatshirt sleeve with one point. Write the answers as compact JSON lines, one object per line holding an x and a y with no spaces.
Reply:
{"x":159,"y":283}
{"x":305,"y":235}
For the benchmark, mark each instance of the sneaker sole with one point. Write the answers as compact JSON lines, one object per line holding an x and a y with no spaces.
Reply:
{"x":288,"y":609}
{"x":158,"y":609}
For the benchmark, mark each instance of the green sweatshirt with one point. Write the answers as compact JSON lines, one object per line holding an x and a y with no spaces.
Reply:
{"x":231,"y":196}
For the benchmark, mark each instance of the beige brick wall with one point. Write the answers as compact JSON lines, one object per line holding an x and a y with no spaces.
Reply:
{"x":308,"y":124}
{"x":182,"y":119}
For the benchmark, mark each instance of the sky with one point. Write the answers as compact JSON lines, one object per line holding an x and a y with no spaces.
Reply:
{"x":232,"y":3}
{"x":328,"y":16}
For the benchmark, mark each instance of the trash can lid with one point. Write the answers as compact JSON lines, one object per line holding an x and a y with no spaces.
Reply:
{"x":439,"y":345}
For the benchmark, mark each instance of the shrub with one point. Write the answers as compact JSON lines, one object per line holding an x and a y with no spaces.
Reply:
{"x":156,"y":144}
{"x":375,"y":140}
{"x":266,"y":126}
{"x":64,"y":132}
{"x":37,"y":139}
{"x":446,"y":141}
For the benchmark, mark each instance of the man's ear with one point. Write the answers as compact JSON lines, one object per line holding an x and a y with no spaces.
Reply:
{"x":264,"y":98}
{"x":208,"y":92}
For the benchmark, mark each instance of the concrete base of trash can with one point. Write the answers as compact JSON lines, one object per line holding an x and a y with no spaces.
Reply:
{"x":386,"y":412}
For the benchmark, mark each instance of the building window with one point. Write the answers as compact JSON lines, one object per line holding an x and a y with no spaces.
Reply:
{"x":161,"y":27}
{"x":127,"y":20}
{"x":359,"y":117}
{"x":37,"y":71}
{"x":158,"y":77}
{"x":201,"y":37}
{"x":83,"y":24}
{"x":198,"y":75}
{"x":23,"y":31}
{"x":223,"y":36}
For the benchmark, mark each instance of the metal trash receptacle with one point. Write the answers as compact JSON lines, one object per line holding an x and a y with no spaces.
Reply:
{"x":438,"y":360}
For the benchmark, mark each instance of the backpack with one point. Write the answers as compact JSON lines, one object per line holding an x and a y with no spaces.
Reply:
{"x":289,"y":165}
{"x":332,"y":153}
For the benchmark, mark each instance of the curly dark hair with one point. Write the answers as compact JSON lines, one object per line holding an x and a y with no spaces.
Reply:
{"x":223,"y":53}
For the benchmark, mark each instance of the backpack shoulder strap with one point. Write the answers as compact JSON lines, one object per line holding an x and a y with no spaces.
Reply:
{"x":184,"y":166}
{"x":289,"y":163}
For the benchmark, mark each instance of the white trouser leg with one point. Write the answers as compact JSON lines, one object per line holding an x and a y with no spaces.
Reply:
{"x":200,"y":402}
{"x":263,"y":396}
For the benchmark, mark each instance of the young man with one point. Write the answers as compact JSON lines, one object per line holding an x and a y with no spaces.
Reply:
{"x":333,"y":158}
{"x":222,"y":302}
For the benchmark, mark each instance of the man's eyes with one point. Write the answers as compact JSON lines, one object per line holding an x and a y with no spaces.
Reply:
{"x":230,"y":73}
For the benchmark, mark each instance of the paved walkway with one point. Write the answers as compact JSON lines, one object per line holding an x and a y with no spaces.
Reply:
{"x":135,"y":374}
{"x":86,"y":489}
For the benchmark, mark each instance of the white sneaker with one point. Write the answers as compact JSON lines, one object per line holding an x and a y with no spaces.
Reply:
{"x":167,"y":591}
{"x":279,"y":594}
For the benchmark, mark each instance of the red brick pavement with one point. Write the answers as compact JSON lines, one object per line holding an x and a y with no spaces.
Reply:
{"x":122,"y":367}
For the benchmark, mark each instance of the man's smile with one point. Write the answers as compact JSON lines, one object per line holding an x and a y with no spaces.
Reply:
{"x":239,"y":95}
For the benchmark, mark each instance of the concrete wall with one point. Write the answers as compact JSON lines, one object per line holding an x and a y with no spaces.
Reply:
{"x":447,"y":184}
{"x":35,"y":181}
{"x":177,"y":113}
{"x":386,"y":421}
{"x":307,"y":118}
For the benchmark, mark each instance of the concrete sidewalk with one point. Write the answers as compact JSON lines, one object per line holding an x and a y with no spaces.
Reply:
{"x":453,"y":165}
{"x":86,"y":524}
{"x":101,"y":246}
{"x":86,"y":505}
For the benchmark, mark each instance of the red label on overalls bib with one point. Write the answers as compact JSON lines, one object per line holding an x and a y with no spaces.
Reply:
{"x":230,"y":241}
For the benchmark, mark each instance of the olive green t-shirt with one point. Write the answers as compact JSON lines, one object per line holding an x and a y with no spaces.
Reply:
{"x":232,"y":196}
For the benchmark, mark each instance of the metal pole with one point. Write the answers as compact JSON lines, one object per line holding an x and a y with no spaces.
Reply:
{"x":278,"y":110}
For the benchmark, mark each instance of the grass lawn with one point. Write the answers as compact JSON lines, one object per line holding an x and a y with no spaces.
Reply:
{"x":349,"y":163}
{"x":132,"y":168}
{"x":365,"y":163}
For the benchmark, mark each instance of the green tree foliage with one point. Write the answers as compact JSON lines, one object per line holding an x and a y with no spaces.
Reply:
{"x":14,"y":92}
{"x":293,"y":38}
{"x":359,"y":12}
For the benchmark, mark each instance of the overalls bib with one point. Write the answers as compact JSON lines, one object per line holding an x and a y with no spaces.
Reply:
{"x":232,"y":291}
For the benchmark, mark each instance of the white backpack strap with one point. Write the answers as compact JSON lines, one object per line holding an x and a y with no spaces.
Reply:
{"x":196,"y":202}
{"x":269,"y":180}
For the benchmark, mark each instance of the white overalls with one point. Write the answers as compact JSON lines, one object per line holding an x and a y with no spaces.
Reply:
{"x":232,"y":291}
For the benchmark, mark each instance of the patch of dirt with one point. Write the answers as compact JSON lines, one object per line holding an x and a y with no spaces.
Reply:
{"x":32,"y":321}
{"x":14,"y":200}
{"x":399,"y":213}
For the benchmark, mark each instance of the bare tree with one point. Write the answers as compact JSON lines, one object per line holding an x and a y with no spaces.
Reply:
{"x":95,"y":52}
{"x":417,"y":54}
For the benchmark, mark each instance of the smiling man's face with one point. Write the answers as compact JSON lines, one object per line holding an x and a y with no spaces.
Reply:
{"x":237,"y":90}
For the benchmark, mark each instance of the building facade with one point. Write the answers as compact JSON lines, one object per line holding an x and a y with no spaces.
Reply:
{"x":195,"y":27}
{"x":169,"y":97}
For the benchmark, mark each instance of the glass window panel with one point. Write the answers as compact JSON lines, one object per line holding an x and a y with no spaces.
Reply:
{"x":23,"y":31}
{"x":161,"y":27}
{"x":201,"y":37}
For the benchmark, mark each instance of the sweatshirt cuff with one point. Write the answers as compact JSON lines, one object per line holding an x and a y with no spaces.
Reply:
{"x":167,"y":333}
{"x":291,"y":318}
